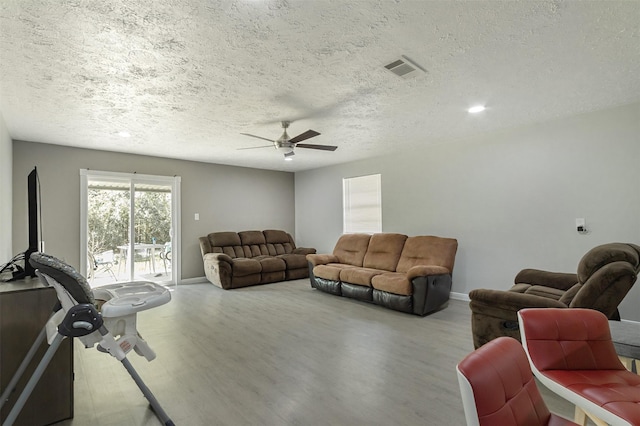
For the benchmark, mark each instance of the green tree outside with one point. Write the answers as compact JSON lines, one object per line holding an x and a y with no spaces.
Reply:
{"x":108,"y":218}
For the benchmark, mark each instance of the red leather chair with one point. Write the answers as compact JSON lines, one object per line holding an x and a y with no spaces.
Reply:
{"x":498,"y":388}
{"x":571,"y":352}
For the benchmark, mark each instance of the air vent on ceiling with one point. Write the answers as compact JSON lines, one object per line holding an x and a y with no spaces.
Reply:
{"x":404,"y":68}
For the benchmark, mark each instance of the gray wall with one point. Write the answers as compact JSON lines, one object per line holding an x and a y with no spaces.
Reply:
{"x":5,"y":193}
{"x":227,"y":198}
{"x":511,"y":199}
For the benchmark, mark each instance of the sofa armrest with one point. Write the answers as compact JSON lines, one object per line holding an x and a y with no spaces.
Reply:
{"x":205,"y":246}
{"x":494,"y":313}
{"x":321,"y":259}
{"x":426,"y":270}
{"x":558,"y":280}
{"x":303,"y":250}
{"x":511,"y":302}
{"x":217,"y":257}
{"x":218,"y":268}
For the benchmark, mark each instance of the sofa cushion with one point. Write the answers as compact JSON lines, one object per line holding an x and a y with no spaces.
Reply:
{"x":253,"y":243}
{"x":548,"y":292}
{"x":330,"y":271}
{"x":276,"y":236}
{"x":226,"y":242}
{"x":248,"y":238}
{"x":428,"y":250}
{"x":393,"y":282}
{"x":278,"y":242}
{"x":568,"y":295}
{"x":271,"y":264}
{"x":359,"y":276}
{"x":351,"y":248}
{"x":384,"y":251}
{"x":277,"y":249}
{"x":294,"y":261}
{"x":243,"y":267}
{"x":222,"y":239}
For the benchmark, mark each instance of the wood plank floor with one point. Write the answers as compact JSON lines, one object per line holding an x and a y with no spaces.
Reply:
{"x":284,"y":354}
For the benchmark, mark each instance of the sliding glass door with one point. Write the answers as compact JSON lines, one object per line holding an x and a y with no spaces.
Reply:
{"x":129,"y":227}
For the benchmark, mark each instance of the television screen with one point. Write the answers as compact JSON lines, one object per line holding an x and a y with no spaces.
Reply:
{"x":13,"y":268}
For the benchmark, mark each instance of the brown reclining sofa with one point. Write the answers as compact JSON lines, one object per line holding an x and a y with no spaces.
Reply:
{"x":240,"y":259}
{"x":408,"y":274}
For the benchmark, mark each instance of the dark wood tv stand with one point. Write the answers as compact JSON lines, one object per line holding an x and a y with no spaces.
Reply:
{"x":25,"y":306}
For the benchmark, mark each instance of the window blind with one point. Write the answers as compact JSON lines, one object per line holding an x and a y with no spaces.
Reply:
{"x":362,"y":204}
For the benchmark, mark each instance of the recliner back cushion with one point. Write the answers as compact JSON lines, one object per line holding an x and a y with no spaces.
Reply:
{"x":605,"y":288}
{"x":253,"y":243}
{"x":428,"y":250}
{"x":568,"y":295}
{"x":278,"y":242}
{"x":384,"y":251}
{"x":604,"y":254}
{"x":351,"y":248}
{"x":227,"y":243}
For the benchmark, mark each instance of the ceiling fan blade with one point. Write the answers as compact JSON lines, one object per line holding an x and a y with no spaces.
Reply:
{"x":304,"y":136}
{"x":254,"y":147}
{"x":321,"y":147}
{"x":259,"y":137}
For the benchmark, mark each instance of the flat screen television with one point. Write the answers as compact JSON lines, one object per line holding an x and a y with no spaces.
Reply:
{"x":33,"y":199}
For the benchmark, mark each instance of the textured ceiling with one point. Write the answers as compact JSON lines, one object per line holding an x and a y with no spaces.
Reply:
{"x":186,"y":77}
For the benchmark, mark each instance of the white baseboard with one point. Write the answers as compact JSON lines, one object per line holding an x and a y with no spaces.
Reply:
{"x":459,"y":296}
{"x":196,"y":280}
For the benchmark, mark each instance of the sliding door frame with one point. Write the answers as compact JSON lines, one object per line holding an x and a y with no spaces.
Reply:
{"x":133,"y":179}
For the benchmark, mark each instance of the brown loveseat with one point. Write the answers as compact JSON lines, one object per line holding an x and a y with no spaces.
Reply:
{"x":605,"y":275}
{"x":408,"y":274}
{"x":240,"y":259}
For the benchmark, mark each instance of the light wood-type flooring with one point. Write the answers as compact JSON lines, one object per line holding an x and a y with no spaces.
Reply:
{"x":284,"y":354}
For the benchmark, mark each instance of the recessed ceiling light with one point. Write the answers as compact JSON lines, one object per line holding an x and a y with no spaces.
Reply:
{"x":124,"y":134}
{"x":476,"y":109}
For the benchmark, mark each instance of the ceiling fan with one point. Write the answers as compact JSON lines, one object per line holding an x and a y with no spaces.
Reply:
{"x":287,"y":144}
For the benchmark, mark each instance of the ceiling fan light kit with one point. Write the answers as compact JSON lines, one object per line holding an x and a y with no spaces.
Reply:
{"x":287,"y":145}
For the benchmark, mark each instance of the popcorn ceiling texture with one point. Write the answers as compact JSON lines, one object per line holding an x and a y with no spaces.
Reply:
{"x":185,"y":77}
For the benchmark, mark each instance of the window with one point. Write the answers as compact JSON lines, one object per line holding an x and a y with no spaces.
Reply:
{"x":362,"y":204}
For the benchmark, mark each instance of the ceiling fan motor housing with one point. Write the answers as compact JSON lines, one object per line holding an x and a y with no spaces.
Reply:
{"x":285,"y":145}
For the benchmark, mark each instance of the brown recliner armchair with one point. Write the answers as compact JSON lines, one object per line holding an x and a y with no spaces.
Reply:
{"x":605,"y":275}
